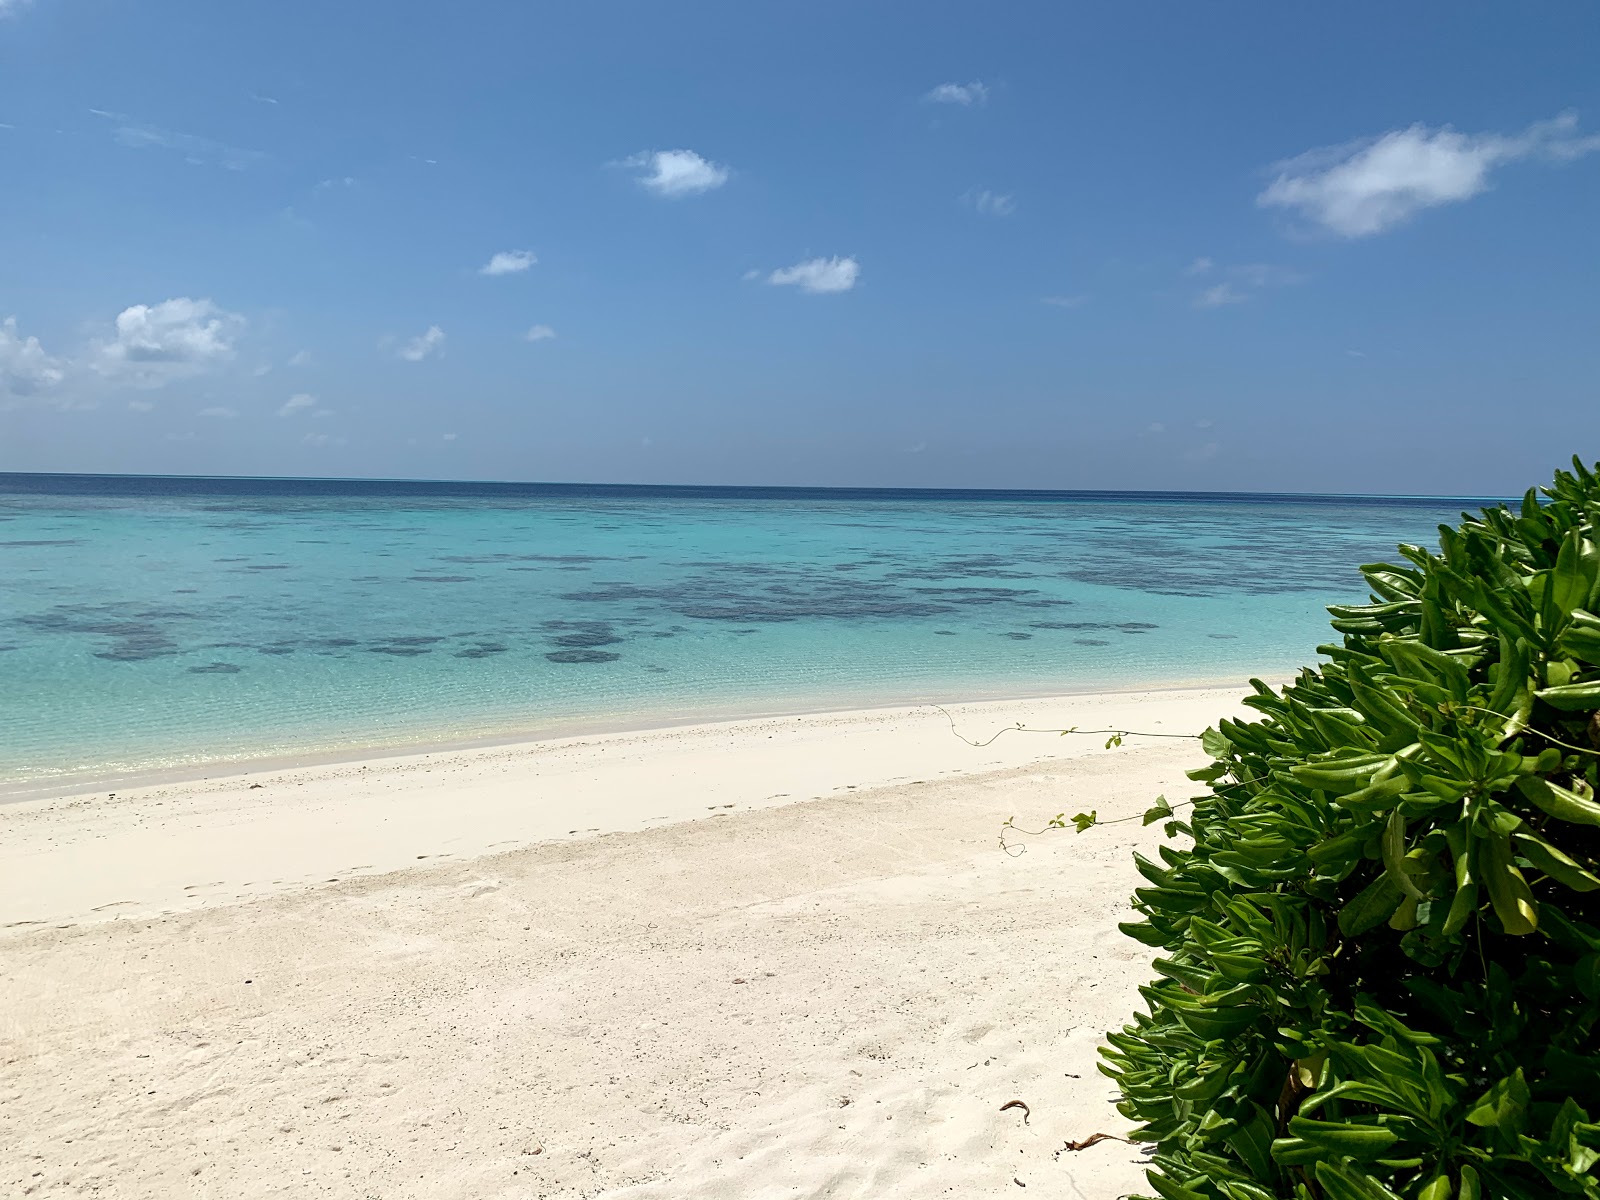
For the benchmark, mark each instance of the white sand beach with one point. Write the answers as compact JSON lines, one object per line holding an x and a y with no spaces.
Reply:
{"x":769,"y":958}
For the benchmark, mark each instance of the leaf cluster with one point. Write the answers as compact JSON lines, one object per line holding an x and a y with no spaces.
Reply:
{"x":1379,"y":970}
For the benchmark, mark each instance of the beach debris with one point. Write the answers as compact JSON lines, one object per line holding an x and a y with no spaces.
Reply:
{"x":741,"y":981}
{"x":1017,"y":1104}
{"x":1092,"y":1139}
{"x":1018,"y":1182}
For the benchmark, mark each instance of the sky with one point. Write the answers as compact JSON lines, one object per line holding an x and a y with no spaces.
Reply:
{"x":1253,"y":247}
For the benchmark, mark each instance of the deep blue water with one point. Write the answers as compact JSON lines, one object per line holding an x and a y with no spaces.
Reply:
{"x":150,"y":622}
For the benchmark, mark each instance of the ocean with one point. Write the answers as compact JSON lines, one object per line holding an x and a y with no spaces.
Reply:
{"x":154,"y":624}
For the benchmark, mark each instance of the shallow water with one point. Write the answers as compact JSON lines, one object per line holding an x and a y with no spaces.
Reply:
{"x":149,"y":623}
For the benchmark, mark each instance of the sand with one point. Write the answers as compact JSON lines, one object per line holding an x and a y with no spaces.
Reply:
{"x":778,"y":958}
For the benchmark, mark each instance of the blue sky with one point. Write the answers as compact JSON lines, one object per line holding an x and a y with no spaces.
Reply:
{"x":1261,"y":247}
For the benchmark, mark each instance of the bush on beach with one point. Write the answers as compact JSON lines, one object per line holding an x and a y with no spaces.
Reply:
{"x":1380,"y":968}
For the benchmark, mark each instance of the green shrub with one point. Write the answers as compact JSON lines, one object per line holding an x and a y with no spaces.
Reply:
{"x":1381,"y":962}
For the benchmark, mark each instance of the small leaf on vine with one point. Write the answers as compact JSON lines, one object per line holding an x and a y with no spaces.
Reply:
{"x":1159,"y":810}
{"x":1114,"y":740}
{"x":1086,"y":820}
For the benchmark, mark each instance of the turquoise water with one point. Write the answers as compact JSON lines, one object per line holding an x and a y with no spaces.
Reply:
{"x":149,"y":623}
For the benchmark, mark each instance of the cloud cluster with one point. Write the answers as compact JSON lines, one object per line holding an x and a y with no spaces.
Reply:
{"x":675,"y":173}
{"x":965,"y":94}
{"x":1369,"y":186}
{"x":154,"y":344}
{"x":508,"y":262}
{"x":819,"y":276}
{"x":1237,"y":284}
{"x":26,"y":371}
{"x":420,"y":347}
{"x":539,"y":333}
{"x":198,"y":151}
{"x":991,"y":203}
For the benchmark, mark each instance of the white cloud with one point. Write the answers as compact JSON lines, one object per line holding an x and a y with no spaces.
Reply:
{"x":1216,"y":297}
{"x":217,"y":411}
{"x":140,"y":405}
{"x":677,"y":172}
{"x":819,"y":275}
{"x":296,"y":403}
{"x":322,"y":439}
{"x":424,"y":344}
{"x":196,"y":150}
{"x":992,"y":203}
{"x":449,"y":437}
{"x":26,"y":371}
{"x":1240,"y":282}
{"x":1199,"y":266}
{"x":1356,"y":353}
{"x":300,"y":358}
{"x":10,"y":8}
{"x":1064,"y":301}
{"x":508,"y":262}
{"x":1368,"y":186}
{"x":539,"y":333}
{"x":263,"y":370}
{"x":339,"y":181}
{"x":964,"y":94}
{"x":157,"y":343}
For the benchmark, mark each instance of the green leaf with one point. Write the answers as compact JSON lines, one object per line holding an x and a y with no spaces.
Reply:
{"x":1394,"y":855}
{"x":1504,"y":1106}
{"x":1345,"y":1139}
{"x":1570,"y":579}
{"x":1370,"y":907}
{"x":1340,"y":1181}
{"x":1216,"y":744}
{"x":1086,"y":821}
{"x":1509,"y":893}
{"x":1160,"y":811}
{"x":1586,"y":975}
{"x":1555,"y":863}
{"x":1168,"y":1190}
{"x":1572,"y":697}
{"x":1559,"y":802}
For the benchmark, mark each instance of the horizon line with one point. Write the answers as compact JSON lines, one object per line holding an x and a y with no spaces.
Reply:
{"x":385,"y":479}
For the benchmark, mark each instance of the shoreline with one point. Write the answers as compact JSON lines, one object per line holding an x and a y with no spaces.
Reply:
{"x":170,"y":846}
{"x":84,"y":783}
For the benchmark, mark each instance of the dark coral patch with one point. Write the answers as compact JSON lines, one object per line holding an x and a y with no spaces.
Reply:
{"x":582,"y":656}
{"x":482,"y":650}
{"x":217,"y":668}
{"x":591,"y":637}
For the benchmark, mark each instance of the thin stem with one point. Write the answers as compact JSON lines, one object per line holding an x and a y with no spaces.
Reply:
{"x":1019,"y":728}
{"x":1529,"y":729}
